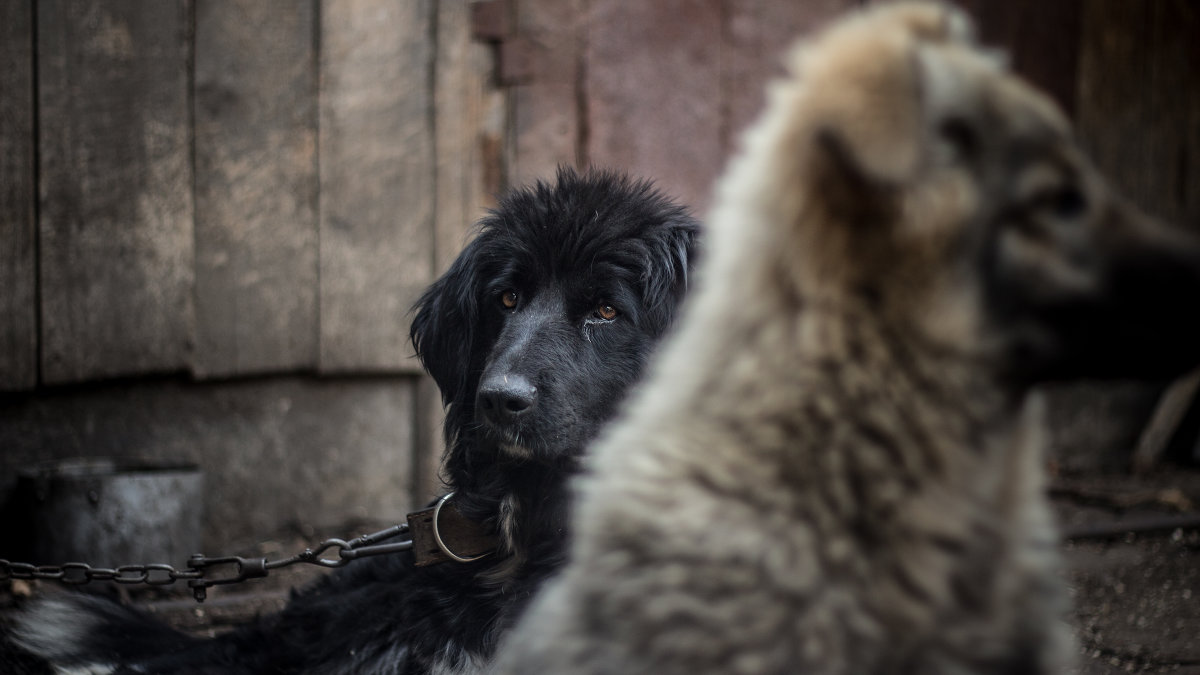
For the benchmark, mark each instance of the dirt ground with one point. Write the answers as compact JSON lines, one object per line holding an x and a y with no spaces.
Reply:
{"x":1132,"y":566}
{"x":1134,"y":570}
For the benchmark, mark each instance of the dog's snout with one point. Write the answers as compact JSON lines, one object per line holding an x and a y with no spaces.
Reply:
{"x":505,"y":398}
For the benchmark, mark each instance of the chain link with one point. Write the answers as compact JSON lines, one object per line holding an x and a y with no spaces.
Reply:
{"x":200,"y":567}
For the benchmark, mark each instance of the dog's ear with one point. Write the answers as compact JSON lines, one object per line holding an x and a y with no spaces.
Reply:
{"x":879,"y":133}
{"x":679,"y":253}
{"x":447,"y":317}
{"x":849,"y":184}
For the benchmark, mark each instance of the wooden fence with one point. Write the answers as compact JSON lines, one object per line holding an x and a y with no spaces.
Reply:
{"x":237,"y":187}
{"x":227,"y":188}
{"x":230,"y":189}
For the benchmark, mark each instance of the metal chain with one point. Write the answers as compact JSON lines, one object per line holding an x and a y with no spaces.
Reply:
{"x":199,"y":566}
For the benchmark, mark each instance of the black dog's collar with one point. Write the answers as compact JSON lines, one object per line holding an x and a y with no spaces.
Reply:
{"x":440,"y":534}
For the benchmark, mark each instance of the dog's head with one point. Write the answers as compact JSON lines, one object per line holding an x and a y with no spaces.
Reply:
{"x":949,"y":198}
{"x":538,"y":328}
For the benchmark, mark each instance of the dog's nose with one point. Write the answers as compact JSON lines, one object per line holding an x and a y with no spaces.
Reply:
{"x":505,"y":398}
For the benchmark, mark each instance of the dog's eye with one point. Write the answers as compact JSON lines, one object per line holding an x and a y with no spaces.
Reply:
{"x":1067,"y":203}
{"x":508,"y":299}
{"x":1062,"y":203}
{"x":605,"y":311}
{"x":961,"y":142}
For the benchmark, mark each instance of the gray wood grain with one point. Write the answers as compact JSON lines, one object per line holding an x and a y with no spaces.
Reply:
{"x":116,"y":202}
{"x":18,"y":236}
{"x":377,"y":179}
{"x":256,"y":187}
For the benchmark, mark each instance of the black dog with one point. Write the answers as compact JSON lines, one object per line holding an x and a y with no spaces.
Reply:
{"x":534,"y":334}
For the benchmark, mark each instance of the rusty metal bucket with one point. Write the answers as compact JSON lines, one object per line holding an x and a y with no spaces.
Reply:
{"x":112,"y":512}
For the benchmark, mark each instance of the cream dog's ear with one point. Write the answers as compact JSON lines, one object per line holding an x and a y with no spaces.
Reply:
{"x":853,"y":186}
{"x":887,"y":89}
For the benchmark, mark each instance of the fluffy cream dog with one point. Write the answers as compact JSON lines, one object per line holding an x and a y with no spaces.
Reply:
{"x":836,"y":466}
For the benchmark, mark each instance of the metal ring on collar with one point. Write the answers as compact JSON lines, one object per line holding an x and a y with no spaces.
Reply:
{"x":437,"y":536}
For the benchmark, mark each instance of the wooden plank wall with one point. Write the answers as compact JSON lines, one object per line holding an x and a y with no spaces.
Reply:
{"x":115,"y":176}
{"x":256,"y":187}
{"x":226,"y":190}
{"x":229,"y":189}
{"x":650,"y":91}
{"x":1041,"y":40}
{"x":18,"y":266}
{"x":1139,"y":101}
{"x":239,"y":188}
{"x":377,"y":178}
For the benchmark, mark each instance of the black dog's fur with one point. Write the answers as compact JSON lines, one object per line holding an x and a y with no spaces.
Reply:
{"x":526,"y":388}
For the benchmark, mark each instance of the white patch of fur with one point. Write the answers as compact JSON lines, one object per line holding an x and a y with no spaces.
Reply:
{"x":94,"y":669}
{"x":52,"y":627}
{"x":371,"y":658}
{"x":515,"y":450}
{"x":468,"y":665}
{"x":510,"y":511}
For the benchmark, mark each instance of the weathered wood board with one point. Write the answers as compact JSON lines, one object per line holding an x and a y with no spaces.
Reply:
{"x":377,"y":179}
{"x":1040,"y":39}
{"x":256,"y":187}
{"x":1139,"y":101}
{"x":116,"y":236}
{"x":18,"y":235}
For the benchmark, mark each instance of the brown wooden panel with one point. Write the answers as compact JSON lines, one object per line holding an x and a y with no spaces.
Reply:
{"x":1139,"y":101}
{"x":1041,"y":38}
{"x":544,"y":57}
{"x":758,"y":35}
{"x":256,"y":187}
{"x":377,"y":179}
{"x":116,"y":202}
{"x":653,"y":92}
{"x":18,"y":238}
